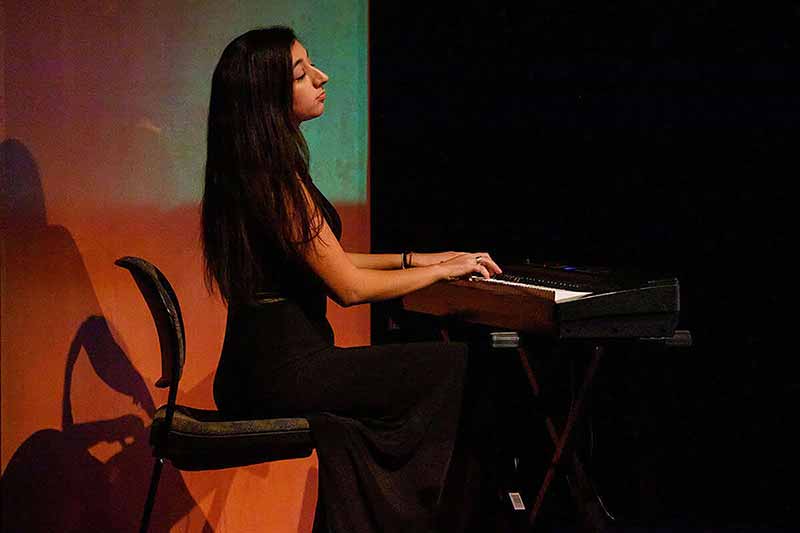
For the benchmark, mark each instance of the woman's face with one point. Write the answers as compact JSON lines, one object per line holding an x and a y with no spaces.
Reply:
{"x":308,"y":96}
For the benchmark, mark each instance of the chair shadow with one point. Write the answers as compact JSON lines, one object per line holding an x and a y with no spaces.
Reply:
{"x":52,"y":481}
{"x":308,"y":506}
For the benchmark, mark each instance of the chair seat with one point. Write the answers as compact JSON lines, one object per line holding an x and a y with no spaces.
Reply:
{"x":203,"y":439}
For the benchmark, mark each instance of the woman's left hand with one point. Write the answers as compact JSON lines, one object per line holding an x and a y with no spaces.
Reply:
{"x":425,"y":259}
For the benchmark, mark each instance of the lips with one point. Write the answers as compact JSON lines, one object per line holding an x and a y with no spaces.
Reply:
{"x":321,"y":97}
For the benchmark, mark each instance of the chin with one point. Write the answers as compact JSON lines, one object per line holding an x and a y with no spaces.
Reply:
{"x":311,"y":117}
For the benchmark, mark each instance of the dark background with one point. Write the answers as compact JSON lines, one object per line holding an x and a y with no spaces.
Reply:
{"x":655,"y":135}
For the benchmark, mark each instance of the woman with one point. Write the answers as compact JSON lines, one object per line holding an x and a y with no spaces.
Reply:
{"x":384,"y":418}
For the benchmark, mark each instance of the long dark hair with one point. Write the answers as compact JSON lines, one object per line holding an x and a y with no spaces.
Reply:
{"x":254,"y":205}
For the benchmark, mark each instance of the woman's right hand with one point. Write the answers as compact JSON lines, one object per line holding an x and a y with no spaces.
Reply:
{"x":466,"y":264}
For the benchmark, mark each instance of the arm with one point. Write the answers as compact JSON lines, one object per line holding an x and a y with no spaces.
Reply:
{"x":394,"y":261}
{"x":349,"y":285}
{"x":376,"y":261}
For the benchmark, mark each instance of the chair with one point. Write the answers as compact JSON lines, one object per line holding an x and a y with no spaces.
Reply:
{"x":198,"y":439}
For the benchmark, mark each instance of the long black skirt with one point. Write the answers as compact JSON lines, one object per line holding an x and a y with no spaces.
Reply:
{"x":384,"y":420}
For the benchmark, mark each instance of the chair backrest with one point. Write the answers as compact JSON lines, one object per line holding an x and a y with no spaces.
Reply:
{"x":166,"y":311}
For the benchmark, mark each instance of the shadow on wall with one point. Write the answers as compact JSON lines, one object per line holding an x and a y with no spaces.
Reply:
{"x":54,"y":481}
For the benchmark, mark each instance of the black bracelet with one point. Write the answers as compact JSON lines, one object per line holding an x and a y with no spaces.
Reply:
{"x":406,"y":263}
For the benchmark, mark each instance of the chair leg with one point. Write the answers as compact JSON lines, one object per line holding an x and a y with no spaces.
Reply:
{"x":151,"y":494}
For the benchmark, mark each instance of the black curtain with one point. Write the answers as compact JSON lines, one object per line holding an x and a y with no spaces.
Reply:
{"x":649,"y":134}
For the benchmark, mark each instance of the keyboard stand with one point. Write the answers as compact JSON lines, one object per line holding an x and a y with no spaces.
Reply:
{"x":561,"y":439}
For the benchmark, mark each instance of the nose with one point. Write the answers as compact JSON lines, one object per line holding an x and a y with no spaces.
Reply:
{"x":320,"y":78}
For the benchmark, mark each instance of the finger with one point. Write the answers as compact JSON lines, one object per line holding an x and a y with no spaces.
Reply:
{"x":487,"y":260}
{"x":483,"y":271}
{"x":493,"y":267}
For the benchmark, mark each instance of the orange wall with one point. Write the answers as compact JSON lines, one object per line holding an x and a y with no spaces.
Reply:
{"x":79,"y":350}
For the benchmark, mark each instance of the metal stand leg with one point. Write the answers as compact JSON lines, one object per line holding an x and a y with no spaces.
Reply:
{"x":151,"y":495}
{"x":560,"y":441}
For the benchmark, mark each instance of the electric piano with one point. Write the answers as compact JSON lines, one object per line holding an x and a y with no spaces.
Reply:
{"x":558,"y":300}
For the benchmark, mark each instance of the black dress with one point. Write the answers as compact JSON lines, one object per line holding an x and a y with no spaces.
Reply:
{"x":384,"y":418}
